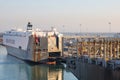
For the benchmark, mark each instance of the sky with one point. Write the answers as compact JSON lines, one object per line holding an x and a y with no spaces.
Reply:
{"x":65,"y":15}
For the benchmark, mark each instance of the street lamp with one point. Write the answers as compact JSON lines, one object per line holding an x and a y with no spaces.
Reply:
{"x":63,"y":28}
{"x":109,"y":26}
{"x":80,"y":28}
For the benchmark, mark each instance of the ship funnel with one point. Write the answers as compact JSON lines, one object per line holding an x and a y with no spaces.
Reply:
{"x":29,"y":26}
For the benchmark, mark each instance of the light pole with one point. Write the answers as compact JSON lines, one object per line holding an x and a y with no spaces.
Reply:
{"x":63,"y":28}
{"x":109,"y":26}
{"x":80,"y":28}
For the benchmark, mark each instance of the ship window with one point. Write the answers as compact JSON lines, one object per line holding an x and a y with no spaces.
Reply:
{"x":20,"y":47}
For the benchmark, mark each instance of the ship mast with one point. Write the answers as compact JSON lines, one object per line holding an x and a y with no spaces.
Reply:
{"x":29,"y":26}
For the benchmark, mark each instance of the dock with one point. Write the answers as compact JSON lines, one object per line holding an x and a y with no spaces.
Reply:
{"x":85,"y":54}
{"x":99,"y":50}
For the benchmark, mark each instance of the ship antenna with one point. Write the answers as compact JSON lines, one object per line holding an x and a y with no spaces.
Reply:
{"x":29,"y":26}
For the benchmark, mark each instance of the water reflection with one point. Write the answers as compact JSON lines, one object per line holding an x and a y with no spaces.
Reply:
{"x":86,"y":71}
{"x":25,"y":72}
{"x":12,"y":68}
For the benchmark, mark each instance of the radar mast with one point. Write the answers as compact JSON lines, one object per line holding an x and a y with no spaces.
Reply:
{"x":29,"y":26}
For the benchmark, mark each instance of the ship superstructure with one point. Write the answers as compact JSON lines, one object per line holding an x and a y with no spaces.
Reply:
{"x":33,"y":45}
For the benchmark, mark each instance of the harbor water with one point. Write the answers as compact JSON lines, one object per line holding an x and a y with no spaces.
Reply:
{"x":12,"y":68}
{"x":85,"y":71}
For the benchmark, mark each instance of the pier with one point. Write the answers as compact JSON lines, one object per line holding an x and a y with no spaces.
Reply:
{"x":99,"y":50}
{"x":92,"y":54}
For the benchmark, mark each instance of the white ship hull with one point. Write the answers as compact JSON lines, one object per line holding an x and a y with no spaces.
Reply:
{"x":28,"y":54}
{"x":34,"y":46}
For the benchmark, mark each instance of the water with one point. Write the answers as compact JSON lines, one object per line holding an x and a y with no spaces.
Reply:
{"x":86,"y":71}
{"x":12,"y":68}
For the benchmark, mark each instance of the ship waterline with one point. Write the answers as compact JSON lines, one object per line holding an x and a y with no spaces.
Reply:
{"x":33,"y":45}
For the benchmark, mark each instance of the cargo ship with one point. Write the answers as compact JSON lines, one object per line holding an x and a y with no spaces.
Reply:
{"x":33,"y":45}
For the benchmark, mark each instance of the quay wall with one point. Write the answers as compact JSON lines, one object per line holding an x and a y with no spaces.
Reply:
{"x":86,"y":71}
